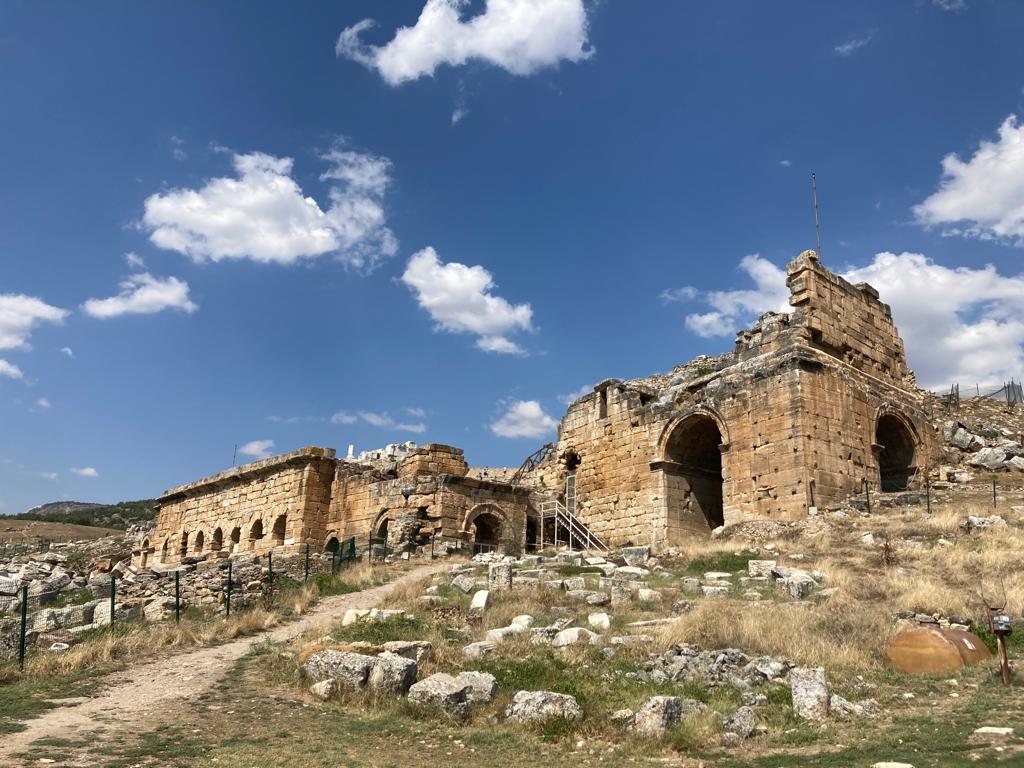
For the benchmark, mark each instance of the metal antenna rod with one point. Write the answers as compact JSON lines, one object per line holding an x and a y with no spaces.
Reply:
{"x":234,"y":456}
{"x":817,"y":219}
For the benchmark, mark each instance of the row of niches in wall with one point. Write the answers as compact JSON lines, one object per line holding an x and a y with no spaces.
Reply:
{"x":188,"y":543}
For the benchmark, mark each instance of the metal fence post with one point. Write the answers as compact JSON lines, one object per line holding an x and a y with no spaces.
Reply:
{"x":305,"y":575}
{"x":928,"y":494}
{"x":993,"y":493}
{"x":867,"y":494}
{"x":270,"y":569}
{"x":113,"y":595}
{"x":352,"y":549}
{"x":24,"y":626}
{"x":334,"y":561}
{"x":229,"y":591}
{"x":177,"y":596}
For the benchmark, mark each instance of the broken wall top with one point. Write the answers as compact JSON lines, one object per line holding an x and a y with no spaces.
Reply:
{"x":843,"y":320}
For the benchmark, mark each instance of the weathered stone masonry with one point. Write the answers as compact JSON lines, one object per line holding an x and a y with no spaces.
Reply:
{"x":807,"y":409}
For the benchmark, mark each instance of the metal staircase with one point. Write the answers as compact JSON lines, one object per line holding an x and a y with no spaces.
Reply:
{"x":577,"y":534}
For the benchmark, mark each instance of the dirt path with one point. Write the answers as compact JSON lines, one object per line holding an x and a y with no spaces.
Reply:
{"x":139,"y":693}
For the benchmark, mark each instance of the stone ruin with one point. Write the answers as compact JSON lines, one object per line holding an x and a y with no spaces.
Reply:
{"x":809,"y":409}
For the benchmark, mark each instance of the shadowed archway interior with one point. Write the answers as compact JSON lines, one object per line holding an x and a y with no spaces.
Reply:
{"x":693,"y":470}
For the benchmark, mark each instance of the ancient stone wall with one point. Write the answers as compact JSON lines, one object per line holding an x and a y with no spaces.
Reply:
{"x":281,"y":501}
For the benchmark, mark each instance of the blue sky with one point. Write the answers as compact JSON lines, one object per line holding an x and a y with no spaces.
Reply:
{"x":269,"y":225}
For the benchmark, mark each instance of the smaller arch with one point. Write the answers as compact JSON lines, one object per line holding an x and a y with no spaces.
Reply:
{"x":278,"y":530}
{"x":255,"y":533}
{"x":236,"y":537}
{"x":217,"y":540}
{"x":164,"y":550}
{"x":183,"y":548}
{"x":144,"y":553}
{"x":332,"y":545}
{"x":486,"y":525}
{"x":199,"y":543}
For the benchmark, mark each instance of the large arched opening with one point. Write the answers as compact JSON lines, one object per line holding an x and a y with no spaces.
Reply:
{"x":332,"y":545}
{"x":164,"y":551}
{"x":693,"y":472}
{"x":896,"y":448}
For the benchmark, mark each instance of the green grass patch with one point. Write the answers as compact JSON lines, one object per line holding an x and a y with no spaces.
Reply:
{"x":728,"y":562}
{"x":377,"y":632}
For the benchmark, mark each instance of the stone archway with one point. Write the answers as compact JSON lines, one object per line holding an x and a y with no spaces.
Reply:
{"x":692,"y":467}
{"x":164,"y":550}
{"x":486,"y":527}
{"x":895,"y":447}
{"x":217,"y":540}
{"x":144,"y":554}
{"x":255,"y":533}
{"x":183,"y":548}
{"x":278,"y":530}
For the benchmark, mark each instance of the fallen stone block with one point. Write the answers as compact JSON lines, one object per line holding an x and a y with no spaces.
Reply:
{"x":575,"y":636}
{"x":392,"y":674}
{"x":479,"y":603}
{"x":539,"y":706}
{"x":809,"y":692}
{"x":349,"y":670}
{"x":657,"y":715}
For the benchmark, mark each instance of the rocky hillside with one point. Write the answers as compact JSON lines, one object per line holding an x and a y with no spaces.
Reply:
{"x":120,"y":515}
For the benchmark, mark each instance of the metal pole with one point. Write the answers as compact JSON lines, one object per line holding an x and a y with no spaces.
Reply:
{"x":113,"y":594}
{"x":177,"y":596}
{"x":229,"y":591}
{"x":270,"y":569}
{"x":24,"y":626}
{"x":928,"y":494}
{"x":867,"y":494}
{"x":993,"y":493}
{"x":305,"y":576}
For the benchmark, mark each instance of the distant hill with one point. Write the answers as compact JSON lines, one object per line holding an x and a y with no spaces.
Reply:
{"x":119,"y":515}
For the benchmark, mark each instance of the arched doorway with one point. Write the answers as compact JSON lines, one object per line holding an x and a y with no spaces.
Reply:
{"x":255,"y":533}
{"x":163,"y":551}
{"x":532,"y":533}
{"x":895,"y":447}
{"x":236,"y":537}
{"x":277,"y":532}
{"x":333,"y":545}
{"x":200,"y":542}
{"x":486,"y":529}
{"x":693,"y":473}
{"x":217,"y":541}
{"x":144,"y":554}
{"x":183,"y":550}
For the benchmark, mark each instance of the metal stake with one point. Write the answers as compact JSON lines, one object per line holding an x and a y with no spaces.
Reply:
{"x":177,"y":596}
{"x":229,"y":591}
{"x":113,"y":594}
{"x":24,"y":626}
{"x":305,"y":576}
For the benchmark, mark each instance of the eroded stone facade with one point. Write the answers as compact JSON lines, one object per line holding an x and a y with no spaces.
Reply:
{"x":808,"y":409}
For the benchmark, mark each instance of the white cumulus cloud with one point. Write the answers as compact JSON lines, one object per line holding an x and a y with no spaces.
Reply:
{"x":959,"y":324}
{"x":520,"y":36}
{"x":257,"y":449}
{"x":732,"y":310}
{"x":263,"y":215}
{"x":982,"y":197}
{"x":42,"y":402}
{"x":67,"y":351}
{"x":459,"y":300}
{"x":85,"y":472}
{"x":10,"y":370}
{"x":143,"y":294}
{"x":524,"y":418}
{"x":20,"y":314}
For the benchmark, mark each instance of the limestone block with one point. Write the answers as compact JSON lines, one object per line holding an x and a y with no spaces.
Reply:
{"x":479,"y":603}
{"x":391,"y":673}
{"x":809,"y":692}
{"x":533,"y":706}
{"x":657,"y":715}
{"x":350,"y":670}
{"x":499,"y":576}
